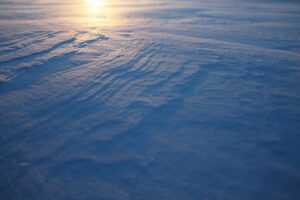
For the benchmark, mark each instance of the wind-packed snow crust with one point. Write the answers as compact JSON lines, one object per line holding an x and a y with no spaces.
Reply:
{"x":149,"y":100}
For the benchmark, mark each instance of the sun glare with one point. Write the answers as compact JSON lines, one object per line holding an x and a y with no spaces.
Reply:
{"x":95,"y":2}
{"x":96,"y":8}
{"x":98,"y":12}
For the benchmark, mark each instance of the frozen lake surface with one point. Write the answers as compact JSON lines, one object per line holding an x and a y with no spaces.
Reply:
{"x":149,"y":100}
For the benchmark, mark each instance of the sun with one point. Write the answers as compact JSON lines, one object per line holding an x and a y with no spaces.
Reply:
{"x":96,"y":8}
{"x":98,"y":12}
{"x":95,"y":2}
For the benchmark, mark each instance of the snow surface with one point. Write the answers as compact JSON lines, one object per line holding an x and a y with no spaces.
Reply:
{"x":149,"y":100}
